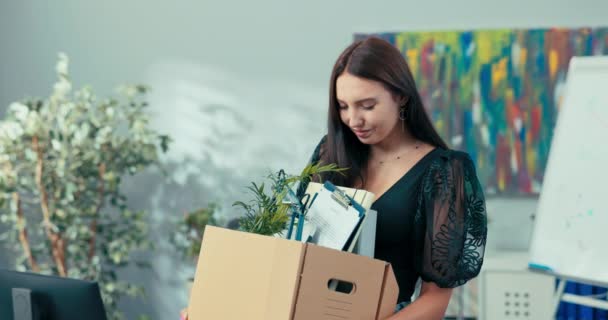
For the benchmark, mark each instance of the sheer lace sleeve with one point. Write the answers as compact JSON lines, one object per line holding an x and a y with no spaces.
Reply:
{"x":451,"y":224}
{"x":315,"y":158}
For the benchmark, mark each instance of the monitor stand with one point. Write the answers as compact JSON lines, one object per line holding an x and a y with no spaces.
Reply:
{"x":26,"y":305}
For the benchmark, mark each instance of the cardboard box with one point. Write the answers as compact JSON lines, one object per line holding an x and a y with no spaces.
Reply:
{"x":247,"y":276}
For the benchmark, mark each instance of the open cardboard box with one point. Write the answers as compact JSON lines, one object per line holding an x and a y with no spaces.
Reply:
{"x":241,"y":275}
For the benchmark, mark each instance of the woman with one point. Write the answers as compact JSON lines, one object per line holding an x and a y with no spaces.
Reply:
{"x":431,"y":208}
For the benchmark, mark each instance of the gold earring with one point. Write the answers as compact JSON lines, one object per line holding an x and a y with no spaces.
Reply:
{"x":402,"y":113}
{"x":402,"y":118}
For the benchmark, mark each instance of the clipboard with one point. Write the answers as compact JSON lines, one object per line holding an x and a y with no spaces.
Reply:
{"x":363,"y":197}
{"x":366,"y":232}
{"x":336,"y":216}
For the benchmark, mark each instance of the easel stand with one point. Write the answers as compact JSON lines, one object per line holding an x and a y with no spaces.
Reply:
{"x":588,"y":301}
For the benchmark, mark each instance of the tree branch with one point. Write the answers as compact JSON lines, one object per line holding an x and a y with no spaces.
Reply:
{"x":100,"y":196}
{"x":23,"y":238}
{"x":57,"y":242}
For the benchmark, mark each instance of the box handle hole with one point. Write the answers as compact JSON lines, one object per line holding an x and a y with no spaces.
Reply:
{"x":341,"y":286}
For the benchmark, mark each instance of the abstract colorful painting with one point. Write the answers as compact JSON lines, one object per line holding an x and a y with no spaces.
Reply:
{"x":496,"y":94}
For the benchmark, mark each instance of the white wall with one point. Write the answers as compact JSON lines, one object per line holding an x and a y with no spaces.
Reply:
{"x":222,"y":71}
{"x":111,"y":41}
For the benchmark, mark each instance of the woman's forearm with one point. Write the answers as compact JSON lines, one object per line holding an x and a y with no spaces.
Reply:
{"x":429,"y":306}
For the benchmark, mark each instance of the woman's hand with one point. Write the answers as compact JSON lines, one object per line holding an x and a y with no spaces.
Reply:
{"x":183,"y":315}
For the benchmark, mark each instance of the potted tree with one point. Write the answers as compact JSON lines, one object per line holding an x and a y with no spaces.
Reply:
{"x":63,"y":160}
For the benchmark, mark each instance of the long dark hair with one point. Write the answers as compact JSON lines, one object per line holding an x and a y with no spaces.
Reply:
{"x":374,"y":59}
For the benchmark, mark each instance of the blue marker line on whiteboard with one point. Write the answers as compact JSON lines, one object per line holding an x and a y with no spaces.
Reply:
{"x":539,"y":266}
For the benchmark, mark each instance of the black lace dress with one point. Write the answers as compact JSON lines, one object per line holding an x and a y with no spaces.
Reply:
{"x":432,"y":222}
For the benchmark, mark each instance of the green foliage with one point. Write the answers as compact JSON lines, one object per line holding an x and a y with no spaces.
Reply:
{"x":266,"y":213}
{"x":188,"y":235}
{"x":62,"y":164}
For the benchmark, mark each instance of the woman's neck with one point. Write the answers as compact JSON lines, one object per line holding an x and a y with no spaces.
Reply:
{"x":395,"y":143}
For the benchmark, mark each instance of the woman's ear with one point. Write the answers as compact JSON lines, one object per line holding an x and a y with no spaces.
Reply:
{"x":403,"y":100}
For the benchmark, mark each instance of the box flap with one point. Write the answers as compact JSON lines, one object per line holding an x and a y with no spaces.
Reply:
{"x":390,"y":294}
{"x":241,"y":275}
{"x":316,"y":300}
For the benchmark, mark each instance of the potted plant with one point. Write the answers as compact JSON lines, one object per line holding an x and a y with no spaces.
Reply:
{"x":188,"y":235}
{"x":63,"y":161}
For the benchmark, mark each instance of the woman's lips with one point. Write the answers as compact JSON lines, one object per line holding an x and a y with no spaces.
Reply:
{"x":362,"y":133}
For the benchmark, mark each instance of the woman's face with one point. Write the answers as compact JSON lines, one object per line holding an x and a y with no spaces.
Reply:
{"x":367,"y":108}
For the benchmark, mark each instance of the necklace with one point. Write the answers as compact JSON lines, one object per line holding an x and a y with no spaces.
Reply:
{"x":416,"y":146}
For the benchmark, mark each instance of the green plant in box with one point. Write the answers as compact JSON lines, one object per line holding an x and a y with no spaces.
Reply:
{"x":266,"y":213}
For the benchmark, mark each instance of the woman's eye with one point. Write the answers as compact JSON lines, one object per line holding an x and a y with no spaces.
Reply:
{"x":369,"y":107}
{"x":341,"y":107}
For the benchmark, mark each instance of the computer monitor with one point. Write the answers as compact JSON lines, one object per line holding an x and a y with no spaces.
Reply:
{"x":53,"y":298}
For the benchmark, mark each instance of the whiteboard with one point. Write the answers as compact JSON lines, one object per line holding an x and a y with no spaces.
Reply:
{"x":570,"y":236}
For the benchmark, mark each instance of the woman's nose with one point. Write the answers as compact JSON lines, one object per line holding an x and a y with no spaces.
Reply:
{"x":355,"y":119}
